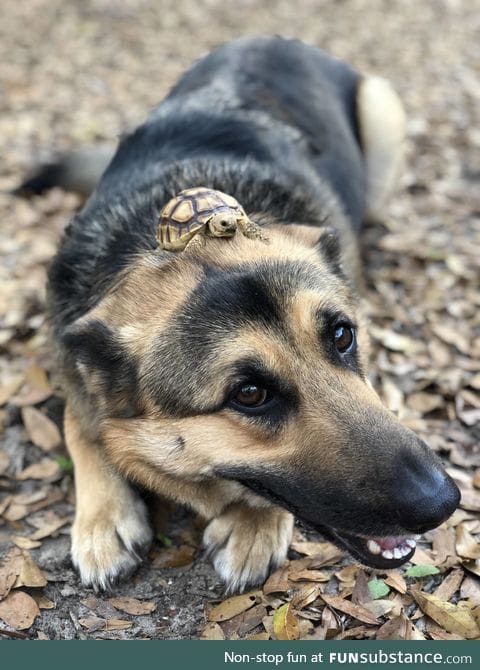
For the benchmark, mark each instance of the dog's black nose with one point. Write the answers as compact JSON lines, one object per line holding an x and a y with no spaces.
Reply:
{"x":425,"y":495}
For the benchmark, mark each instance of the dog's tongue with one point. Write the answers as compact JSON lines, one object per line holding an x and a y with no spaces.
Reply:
{"x":389,"y":542}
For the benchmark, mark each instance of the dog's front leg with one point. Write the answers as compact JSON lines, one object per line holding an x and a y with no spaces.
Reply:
{"x":246,"y":543}
{"x":111,"y":528}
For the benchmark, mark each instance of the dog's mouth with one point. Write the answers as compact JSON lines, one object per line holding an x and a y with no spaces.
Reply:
{"x":377,"y":552}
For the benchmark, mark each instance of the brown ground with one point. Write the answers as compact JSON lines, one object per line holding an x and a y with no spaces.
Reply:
{"x":73,"y":72}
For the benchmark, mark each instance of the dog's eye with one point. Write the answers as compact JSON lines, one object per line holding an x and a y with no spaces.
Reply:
{"x":250,"y":395}
{"x":344,"y":337}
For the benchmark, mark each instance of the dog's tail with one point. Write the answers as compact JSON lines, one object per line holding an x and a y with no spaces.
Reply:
{"x":382,"y":124}
{"x":78,"y":170}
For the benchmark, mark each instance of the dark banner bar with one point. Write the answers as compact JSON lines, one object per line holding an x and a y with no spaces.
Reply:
{"x":193,"y":655}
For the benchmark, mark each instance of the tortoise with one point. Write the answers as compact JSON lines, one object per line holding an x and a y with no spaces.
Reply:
{"x":202,"y":211}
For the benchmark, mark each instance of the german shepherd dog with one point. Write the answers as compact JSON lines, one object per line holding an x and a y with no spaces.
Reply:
{"x":232,"y":376}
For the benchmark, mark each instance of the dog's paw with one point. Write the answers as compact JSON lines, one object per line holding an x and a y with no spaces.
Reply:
{"x":108,"y":543}
{"x":247,"y":543}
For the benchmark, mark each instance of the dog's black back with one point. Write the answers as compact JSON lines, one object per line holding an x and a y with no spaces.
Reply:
{"x":268,"y":120}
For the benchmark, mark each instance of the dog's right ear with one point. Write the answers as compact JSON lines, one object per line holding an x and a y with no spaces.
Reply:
{"x":107,"y":369}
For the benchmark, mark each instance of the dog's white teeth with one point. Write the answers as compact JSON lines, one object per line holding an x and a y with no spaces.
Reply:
{"x":411,"y":542}
{"x":397,"y":553}
{"x":417,"y":537}
{"x":387,"y":553}
{"x":373,"y":547}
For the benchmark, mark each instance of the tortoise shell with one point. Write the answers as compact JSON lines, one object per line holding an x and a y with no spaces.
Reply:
{"x":190,"y":212}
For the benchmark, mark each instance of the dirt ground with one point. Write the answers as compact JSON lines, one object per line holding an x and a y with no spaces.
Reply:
{"x":74,"y":72}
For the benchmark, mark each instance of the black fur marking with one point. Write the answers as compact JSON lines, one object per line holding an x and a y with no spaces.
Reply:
{"x":220,"y":306}
{"x":94,"y":345}
{"x":181,"y":444}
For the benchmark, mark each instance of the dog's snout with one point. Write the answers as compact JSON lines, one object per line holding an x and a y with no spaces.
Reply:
{"x":425,"y":494}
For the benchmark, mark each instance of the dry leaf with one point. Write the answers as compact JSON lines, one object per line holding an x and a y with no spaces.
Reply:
{"x":325,"y":553}
{"x":466,"y":545}
{"x":45,"y":469}
{"x":277,"y":582}
{"x":19,"y":610}
{"x":258,"y":636}
{"x":30,"y":574}
{"x":117,"y":624}
{"x":212,"y":631}
{"x":43,"y":602}
{"x":132,"y":605}
{"x":356,"y":611}
{"x":9,"y":388}
{"x":471,"y":589}
{"x":40,"y":429}
{"x":421,"y":557}
{"x":92,"y":623}
{"x":348,"y":575}
{"x":449,"y":586}
{"x":4,"y":462}
{"x":452,"y":618}
{"x":396,"y":581}
{"x":424,"y":402}
{"x":380,"y":607}
{"x":309,"y":576}
{"x":361,"y":593}
{"x":285,"y":623}
{"x":174,"y":557}
{"x":305,"y":596}
{"x":394,"y":629}
{"x":9,"y":570}
{"x":49,"y":528}
{"x":233,"y":606}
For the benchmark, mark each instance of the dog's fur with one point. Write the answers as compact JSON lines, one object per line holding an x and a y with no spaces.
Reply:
{"x":153,"y":346}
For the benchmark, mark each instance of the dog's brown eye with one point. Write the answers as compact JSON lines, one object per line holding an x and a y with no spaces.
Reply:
{"x":251,"y":395}
{"x":344,"y":338}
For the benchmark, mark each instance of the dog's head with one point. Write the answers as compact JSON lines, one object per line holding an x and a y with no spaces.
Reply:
{"x":244,"y":362}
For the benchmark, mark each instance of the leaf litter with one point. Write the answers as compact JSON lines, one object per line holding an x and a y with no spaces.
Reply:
{"x":423,"y":295}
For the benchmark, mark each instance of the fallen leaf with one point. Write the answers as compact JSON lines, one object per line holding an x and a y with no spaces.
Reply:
{"x":421,"y":557}
{"x":471,"y":589}
{"x":305,"y":596}
{"x":421,"y":570}
{"x":212,"y":631}
{"x":466,"y":545}
{"x":117,"y":624}
{"x":361,"y":593}
{"x":30,"y":574}
{"x":9,"y":388}
{"x":324,"y":553}
{"x":132,"y":605}
{"x":309,"y":576}
{"x":348,"y":575}
{"x":4,"y":462}
{"x":424,"y":402}
{"x":285,"y":624}
{"x":277,"y":582}
{"x":394,"y":629}
{"x":19,"y":610}
{"x":258,"y":636}
{"x":40,"y":429}
{"x":49,"y":528}
{"x":356,"y":611}
{"x":452,"y":618}
{"x":233,"y":606}
{"x":449,"y":586}
{"x":43,"y":602}
{"x":92,"y":623}
{"x":380,"y":607}
{"x":45,"y":469}
{"x":396,"y":581}
{"x":378,"y":588}
{"x":9,"y":570}
{"x":174,"y":557}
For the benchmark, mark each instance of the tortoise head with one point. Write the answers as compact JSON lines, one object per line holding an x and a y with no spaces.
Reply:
{"x":222,"y":223}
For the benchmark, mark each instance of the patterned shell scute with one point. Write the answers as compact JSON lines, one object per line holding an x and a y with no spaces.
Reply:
{"x":190,"y":210}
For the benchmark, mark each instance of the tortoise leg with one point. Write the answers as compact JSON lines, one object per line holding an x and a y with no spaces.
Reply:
{"x":252,"y":230}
